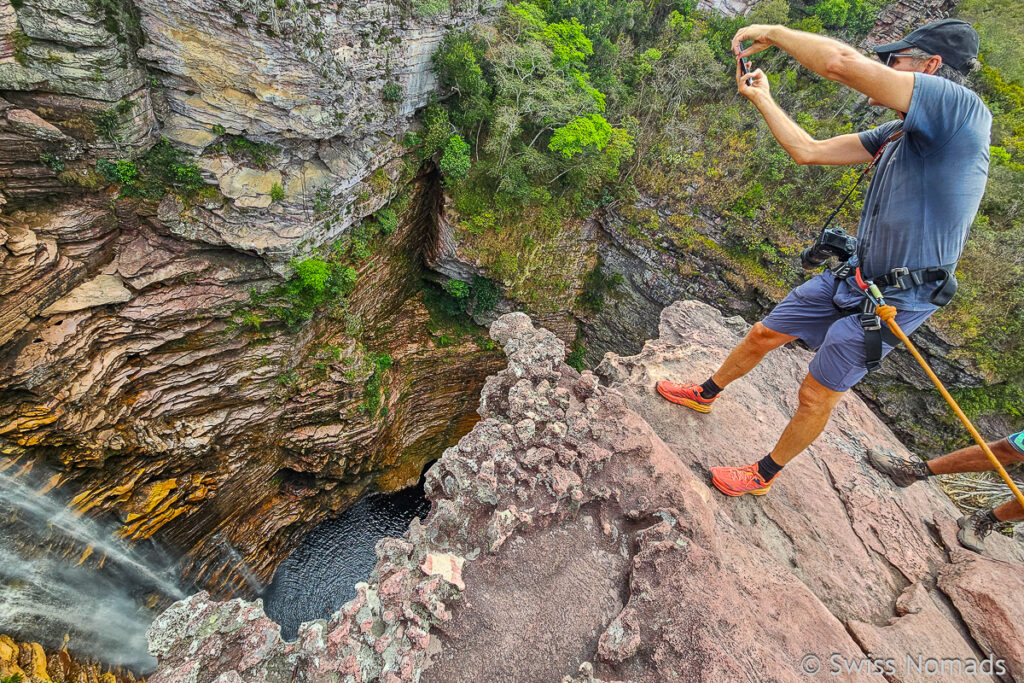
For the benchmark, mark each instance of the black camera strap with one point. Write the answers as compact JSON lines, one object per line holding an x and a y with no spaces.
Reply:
{"x":874,"y":161}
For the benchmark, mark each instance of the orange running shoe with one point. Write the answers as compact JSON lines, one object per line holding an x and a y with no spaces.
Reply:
{"x":685,"y":395}
{"x":735,"y":481}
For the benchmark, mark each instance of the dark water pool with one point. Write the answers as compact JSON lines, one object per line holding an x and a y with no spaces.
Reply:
{"x":320,"y":575}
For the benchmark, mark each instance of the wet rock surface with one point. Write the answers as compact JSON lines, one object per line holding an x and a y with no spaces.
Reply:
{"x":32,"y":663}
{"x":574,"y":526}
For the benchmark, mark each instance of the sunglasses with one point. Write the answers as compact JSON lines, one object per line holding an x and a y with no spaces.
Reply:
{"x":891,"y":58}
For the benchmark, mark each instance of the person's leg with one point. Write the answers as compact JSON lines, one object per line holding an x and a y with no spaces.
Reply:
{"x":973,"y":459}
{"x":1010,"y":511}
{"x":816,"y":404}
{"x":977,"y":525}
{"x":806,"y":313}
{"x":748,"y":353}
{"x":741,"y":360}
{"x":905,"y":472}
{"x":836,"y":367}
{"x":980,"y":523}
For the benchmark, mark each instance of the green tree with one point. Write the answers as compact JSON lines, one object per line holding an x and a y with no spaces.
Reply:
{"x":455,"y":161}
{"x":437,"y":130}
{"x":832,"y":13}
{"x":568,"y":43}
{"x":581,"y":134}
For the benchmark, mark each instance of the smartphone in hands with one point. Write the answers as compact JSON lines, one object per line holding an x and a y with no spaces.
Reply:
{"x":747,"y":69}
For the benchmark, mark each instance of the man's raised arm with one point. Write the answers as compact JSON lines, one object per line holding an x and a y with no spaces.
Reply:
{"x":834,"y":60}
{"x":843,"y":149}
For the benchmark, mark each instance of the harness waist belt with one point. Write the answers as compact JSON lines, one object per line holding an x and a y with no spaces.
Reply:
{"x":904,"y":278}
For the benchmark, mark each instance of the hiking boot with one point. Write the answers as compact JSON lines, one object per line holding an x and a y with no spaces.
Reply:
{"x":973,"y":530}
{"x":685,"y":395}
{"x":902,"y":472}
{"x":735,"y":481}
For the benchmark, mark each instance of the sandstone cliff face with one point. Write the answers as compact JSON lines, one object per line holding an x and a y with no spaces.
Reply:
{"x":162,"y":409}
{"x":122,"y":360}
{"x":900,"y":17}
{"x":31,"y":662}
{"x":573,"y":537}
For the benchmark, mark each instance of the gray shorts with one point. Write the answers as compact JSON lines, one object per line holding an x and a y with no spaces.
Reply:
{"x":810,"y":313}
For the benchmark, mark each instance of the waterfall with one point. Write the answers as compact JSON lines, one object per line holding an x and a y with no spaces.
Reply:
{"x":239,"y":564}
{"x":64,"y":573}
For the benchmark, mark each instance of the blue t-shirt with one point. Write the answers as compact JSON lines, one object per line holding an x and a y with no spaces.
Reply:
{"x":927,"y":186}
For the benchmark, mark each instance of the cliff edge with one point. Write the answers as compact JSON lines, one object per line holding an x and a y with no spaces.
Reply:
{"x":573,"y":536}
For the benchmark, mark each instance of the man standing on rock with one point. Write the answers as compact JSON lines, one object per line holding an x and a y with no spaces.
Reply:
{"x":974,"y":527}
{"x":916,"y":216}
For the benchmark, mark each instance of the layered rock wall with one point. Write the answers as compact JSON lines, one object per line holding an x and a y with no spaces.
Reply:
{"x":124,"y":358}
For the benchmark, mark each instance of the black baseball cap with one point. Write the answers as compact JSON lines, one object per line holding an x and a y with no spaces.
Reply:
{"x":954,"y":40}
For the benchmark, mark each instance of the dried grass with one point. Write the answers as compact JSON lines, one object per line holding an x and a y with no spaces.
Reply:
{"x":971,"y":491}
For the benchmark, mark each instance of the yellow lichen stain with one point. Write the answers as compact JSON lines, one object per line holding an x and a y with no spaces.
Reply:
{"x":157,"y":494}
{"x":9,"y":658}
{"x":146,"y":528}
{"x":154,"y":512}
{"x":52,"y":483}
{"x":37,"y":668}
{"x":85,"y":554}
{"x":90,"y":498}
{"x":30,"y":419}
{"x":30,"y":663}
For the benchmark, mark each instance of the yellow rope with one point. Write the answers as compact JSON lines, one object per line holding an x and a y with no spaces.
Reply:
{"x":888,"y":314}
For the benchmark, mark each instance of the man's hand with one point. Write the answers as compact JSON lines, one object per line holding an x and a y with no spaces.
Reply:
{"x":834,"y":60}
{"x":758,"y":33}
{"x":758,"y":88}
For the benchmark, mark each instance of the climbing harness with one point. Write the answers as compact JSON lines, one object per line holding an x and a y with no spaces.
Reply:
{"x":887,"y":314}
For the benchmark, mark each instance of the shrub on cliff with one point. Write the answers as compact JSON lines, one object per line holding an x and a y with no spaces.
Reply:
{"x":455,"y":162}
{"x":381,"y":363}
{"x":314,"y":282}
{"x":161,"y":170}
{"x":514,"y":93}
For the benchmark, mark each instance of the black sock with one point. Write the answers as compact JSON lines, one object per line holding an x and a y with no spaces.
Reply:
{"x":768,"y":468}
{"x":709,"y":389}
{"x":921,"y":469}
{"x":991,"y":518}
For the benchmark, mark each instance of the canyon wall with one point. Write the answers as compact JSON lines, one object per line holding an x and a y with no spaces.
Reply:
{"x":131,"y":359}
